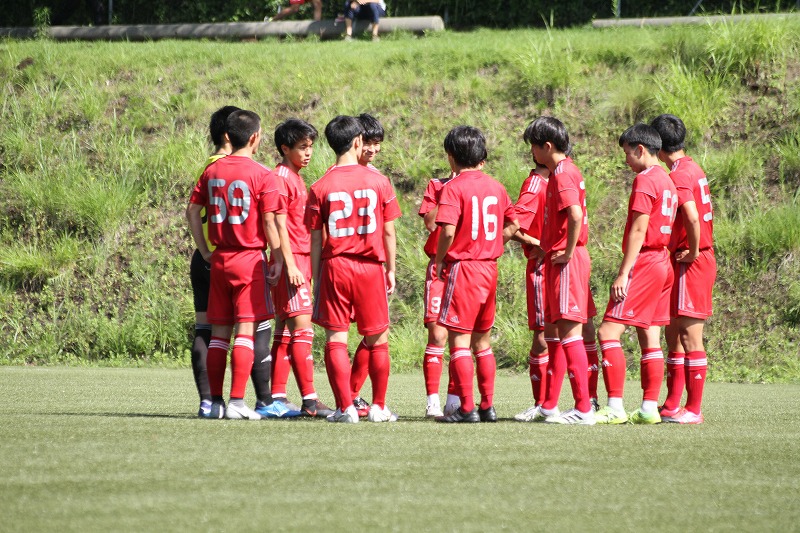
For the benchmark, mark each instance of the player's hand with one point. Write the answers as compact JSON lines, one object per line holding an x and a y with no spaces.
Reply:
{"x":536,"y":253}
{"x":559,"y":257}
{"x":619,"y":289}
{"x":439,"y":272}
{"x":295,"y":276}
{"x":274,"y":273}
{"x":390,"y":282}
{"x":685,"y":256}
{"x":207,"y":256}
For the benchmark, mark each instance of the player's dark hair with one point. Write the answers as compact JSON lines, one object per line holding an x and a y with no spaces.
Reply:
{"x":642,"y":134}
{"x":216,"y":126}
{"x":240,"y":126}
{"x":373,"y":131}
{"x":291,"y":131}
{"x":467,"y":145}
{"x":341,"y":131}
{"x":548,"y":129}
{"x":672,"y":131}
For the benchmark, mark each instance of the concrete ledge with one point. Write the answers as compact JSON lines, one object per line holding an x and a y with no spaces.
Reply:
{"x":226,"y":30}
{"x":669,"y":21}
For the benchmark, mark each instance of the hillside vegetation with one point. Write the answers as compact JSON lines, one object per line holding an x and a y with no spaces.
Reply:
{"x":100,"y":144}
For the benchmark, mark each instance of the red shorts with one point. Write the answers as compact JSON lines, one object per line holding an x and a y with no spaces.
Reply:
{"x":691,"y":293}
{"x":534,"y":289}
{"x":351,"y":289}
{"x":432,"y":299}
{"x":567,"y":288}
{"x":239,"y":290}
{"x":290,"y":300}
{"x":649,"y":287}
{"x":470,"y":295}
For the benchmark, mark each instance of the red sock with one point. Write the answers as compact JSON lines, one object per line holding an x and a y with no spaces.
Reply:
{"x":280,"y":362}
{"x":486,"y":370}
{"x":241,"y":364}
{"x":577,"y":363}
{"x":537,"y":370}
{"x":594,"y":366}
{"x":556,"y":368}
{"x":652,"y":370}
{"x":696,"y":369}
{"x":216,"y":361}
{"x":432,"y":368}
{"x":462,"y":371}
{"x":337,"y":365}
{"x":360,"y":369}
{"x":303,"y":362}
{"x":676,"y":380}
{"x":614,"y":367}
{"x":379,"y":372}
{"x":451,"y":382}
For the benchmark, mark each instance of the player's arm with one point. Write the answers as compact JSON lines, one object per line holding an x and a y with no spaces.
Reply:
{"x":574,"y":222}
{"x":274,"y":241}
{"x":445,"y":240}
{"x":292,"y":272}
{"x":510,"y":228}
{"x":390,"y":245}
{"x":691,"y":221}
{"x":195,"y":220}
{"x":316,"y":254}
{"x":633,"y":245}
{"x":430,"y":219}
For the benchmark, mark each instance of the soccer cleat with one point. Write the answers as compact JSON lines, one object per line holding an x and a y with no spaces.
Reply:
{"x":451,"y":406}
{"x":234,"y":412}
{"x":276,"y":410}
{"x":488,"y":414}
{"x":607,"y":415}
{"x":290,"y":405}
{"x":376,"y":414}
{"x":315,"y":408}
{"x":460,"y":416}
{"x":211,"y":410}
{"x":595,"y":404}
{"x":361,"y":406}
{"x":573,"y":417}
{"x":348,"y":416}
{"x":641,"y":417}
{"x":532,"y":414}
{"x":669,"y":415}
{"x":432,"y":411}
{"x":687,"y":417}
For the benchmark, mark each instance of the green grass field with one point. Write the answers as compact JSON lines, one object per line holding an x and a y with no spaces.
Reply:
{"x":109,"y":449}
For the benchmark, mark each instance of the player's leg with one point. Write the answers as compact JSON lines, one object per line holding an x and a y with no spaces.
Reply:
{"x":556,"y":370}
{"x":337,"y":365}
{"x":200,"y":276}
{"x":676,"y":381}
{"x":242,"y":357}
{"x":590,"y":344}
{"x":303,"y":365}
{"x":281,"y":364}
{"x":379,"y":367}
{"x":614,"y":369}
{"x":486,"y":370}
{"x":286,"y":12}
{"x":538,"y":357}
{"x":652,"y":374}
{"x":359,"y":372}
{"x":462,"y":371}
{"x":432,"y":365}
{"x":691,"y":333}
{"x":572,"y":343}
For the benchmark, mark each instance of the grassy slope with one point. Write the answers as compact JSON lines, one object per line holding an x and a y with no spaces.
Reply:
{"x":101,"y":142}
{"x":118,"y":449}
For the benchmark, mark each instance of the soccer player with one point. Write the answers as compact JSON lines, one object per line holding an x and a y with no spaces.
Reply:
{"x":200,"y":274}
{"x":294,"y":7}
{"x":241,"y":202}
{"x":530,"y":213}
{"x":433,"y":358}
{"x":294,"y":140}
{"x":353,"y":208}
{"x":477,"y":218}
{"x":566,"y":272}
{"x":640,"y":293}
{"x":695,"y":269}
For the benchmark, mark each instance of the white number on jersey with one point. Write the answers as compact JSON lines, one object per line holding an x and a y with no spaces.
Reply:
{"x":490,"y":222}
{"x":233,"y":200}
{"x":705,"y":195}
{"x":347,"y":210}
{"x":669,"y":208}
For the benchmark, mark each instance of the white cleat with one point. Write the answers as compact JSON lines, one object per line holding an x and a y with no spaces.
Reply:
{"x":532,"y":414}
{"x":573,"y":417}
{"x":376,"y":414}
{"x":241,"y":413}
{"x":348,"y":416}
{"x":432,"y":411}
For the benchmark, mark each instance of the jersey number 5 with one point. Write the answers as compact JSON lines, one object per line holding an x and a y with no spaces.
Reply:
{"x":346,"y":211}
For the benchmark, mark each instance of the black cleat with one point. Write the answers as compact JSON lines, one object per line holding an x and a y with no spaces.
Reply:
{"x":361,"y":406}
{"x":460,"y":416}
{"x":315,"y":408}
{"x":488,"y":414}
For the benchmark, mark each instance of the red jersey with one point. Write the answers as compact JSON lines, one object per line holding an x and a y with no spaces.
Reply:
{"x":429,"y":202}
{"x":565,"y":188}
{"x":653,"y":194}
{"x":479,"y":207}
{"x":530,"y":207}
{"x":692,"y":184}
{"x":352,"y":203}
{"x":235,"y":191}
{"x":296,"y":200}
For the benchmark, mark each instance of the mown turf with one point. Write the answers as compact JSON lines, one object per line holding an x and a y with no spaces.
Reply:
{"x":101,"y":449}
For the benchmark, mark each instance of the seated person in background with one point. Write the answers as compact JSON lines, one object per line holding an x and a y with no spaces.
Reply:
{"x":371,"y":10}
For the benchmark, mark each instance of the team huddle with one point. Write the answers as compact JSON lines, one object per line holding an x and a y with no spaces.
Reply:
{"x":332,"y":255}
